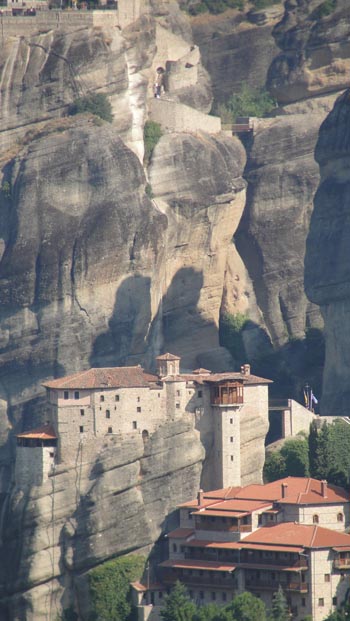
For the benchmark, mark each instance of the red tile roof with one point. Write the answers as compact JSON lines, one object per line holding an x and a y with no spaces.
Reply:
{"x":246,"y":379}
{"x":168,"y":356}
{"x":294,"y":534}
{"x":114,"y":377}
{"x":213,"y":513}
{"x":299,"y":490}
{"x":194,"y":564}
{"x":46,"y":432}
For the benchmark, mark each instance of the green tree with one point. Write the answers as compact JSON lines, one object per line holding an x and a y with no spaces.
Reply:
{"x":109,"y":586}
{"x":279,"y":610}
{"x":230,"y":334}
{"x":313,"y":443}
{"x":274,"y":467}
{"x":212,"y":612}
{"x":151,"y":135}
{"x":95,"y":103}
{"x":296,"y":455}
{"x":178,"y":606}
{"x":247,"y":607}
{"x":323,"y":448}
{"x":251,"y":102}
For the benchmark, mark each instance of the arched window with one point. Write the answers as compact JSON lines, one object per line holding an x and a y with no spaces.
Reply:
{"x":145,"y":435}
{"x":340,"y":517}
{"x":315,"y":519}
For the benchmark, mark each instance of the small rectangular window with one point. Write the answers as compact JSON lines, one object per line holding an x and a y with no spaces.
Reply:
{"x":138,"y":399}
{"x":231,"y":421}
{"x":110,"y":430}
{"x":81,"y":429}
{"x":82,"y":412}
{"x":134,"y":424}
{"x":76,"y":394}
{"x":200,"y":393}
{"x":334,"y":601}
{"x":178,"y":393}
{"x":303,"y":602}
{"x":174,"y":547}
{"x":231,"y":457}
{"x":231,"y":439}
{"x":327,"y":577}
{"x":108,"y":414}
{"x":321,"y":601}
{"x":66,"y":394}
{"x":138,"y":409}
{"x":52,"y":454}
{"x":158,"y":395}
{"x":102,"y":397}
{"x":224,"y":597}
{"x":178,"y":406}
{"x":117,"y":397}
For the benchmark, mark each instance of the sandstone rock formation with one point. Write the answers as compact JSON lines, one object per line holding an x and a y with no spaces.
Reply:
{"x":90,"y":511}
{"x":327,"y":257}
{"x":315,"y":53}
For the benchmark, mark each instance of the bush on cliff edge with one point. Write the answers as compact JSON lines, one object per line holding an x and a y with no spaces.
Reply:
{"x":96,"y":103}
{"x":109,"y":586}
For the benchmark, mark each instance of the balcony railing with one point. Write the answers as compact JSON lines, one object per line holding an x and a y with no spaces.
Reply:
{"x":227,"y":400}
{"x":342,"y":563}
{"x":257,"y":583}
{"x":282,"y":562}
{"x":211,"y":578}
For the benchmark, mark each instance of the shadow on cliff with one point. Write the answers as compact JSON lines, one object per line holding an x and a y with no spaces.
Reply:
{"x":128,"y":325}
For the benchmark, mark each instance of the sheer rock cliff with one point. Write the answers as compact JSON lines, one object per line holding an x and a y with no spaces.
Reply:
{"x":327,"y":266}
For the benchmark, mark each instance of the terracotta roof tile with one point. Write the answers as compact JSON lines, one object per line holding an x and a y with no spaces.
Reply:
{"x":193,"y":564}
{"x":168,"y":356}
{"x":294,"y":534}
{"x":299,"y":490}
{"x":46,"y":432}
{"x":113,"y":377}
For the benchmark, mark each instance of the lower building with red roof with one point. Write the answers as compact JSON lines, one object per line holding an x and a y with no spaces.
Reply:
{"x":243,"y":539}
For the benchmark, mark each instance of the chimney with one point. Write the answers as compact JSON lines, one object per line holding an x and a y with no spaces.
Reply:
{"x":245,"y":369}
{"x":284,"y":489}
{"x":200,"y":497}
{"x":324,"y":489}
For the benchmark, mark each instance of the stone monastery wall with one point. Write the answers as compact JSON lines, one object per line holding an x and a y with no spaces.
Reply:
{"x":51,"y":20}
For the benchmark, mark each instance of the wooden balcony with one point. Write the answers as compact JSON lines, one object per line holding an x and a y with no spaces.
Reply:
{"x":341,"y":563}
{"x":209,"y":578}
{"x":227,"y":393}
{"x":272,"y":585}
{"x":246,"y":562}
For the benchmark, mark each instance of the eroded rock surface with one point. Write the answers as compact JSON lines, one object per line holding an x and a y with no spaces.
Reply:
{"x":327,"y":266}
{"x":315,"y":55}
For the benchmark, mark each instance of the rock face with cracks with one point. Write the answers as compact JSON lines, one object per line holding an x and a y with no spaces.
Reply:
{"x":327,"y":266}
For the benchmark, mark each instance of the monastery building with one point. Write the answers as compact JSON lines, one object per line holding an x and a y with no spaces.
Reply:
{"x":255,"y":538}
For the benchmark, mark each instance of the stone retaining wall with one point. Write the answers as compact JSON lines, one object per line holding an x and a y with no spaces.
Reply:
{"x":176,"y":117}
{"x":52,"y":20}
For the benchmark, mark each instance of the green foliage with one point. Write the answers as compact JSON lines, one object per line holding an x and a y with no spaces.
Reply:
{"x":230,"y":333}
{"x":151,"y":135}
{"x":274,"y":467}
{"x":109,"y":586}
{"x":178,"y":606}
{"x":215,"y":6}
{"x":247,"y":607}
{"x":212,"y":612}
{"x":95,"y":103}
{"x":250,"y":102}
{"x":149,"y":191}
{"x":6,"y":189}
{"x":323,"y":10}
{"x":296,"y":454}
{"x":263,"y":4}
{"x":279,"y":610}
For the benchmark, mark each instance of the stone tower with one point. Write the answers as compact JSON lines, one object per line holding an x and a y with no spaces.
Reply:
{"x":35,"y":456}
